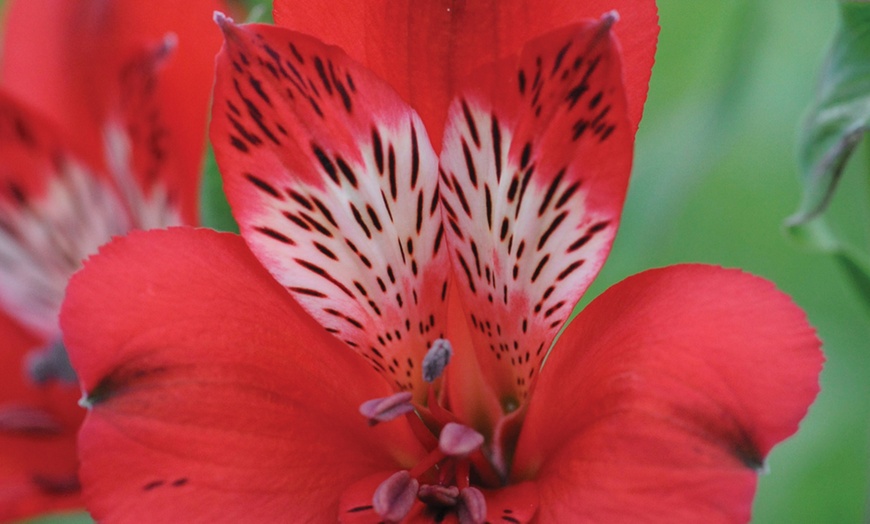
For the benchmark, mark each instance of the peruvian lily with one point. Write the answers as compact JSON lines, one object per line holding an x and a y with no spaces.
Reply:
{"x":379,"y":344}
{"x":95,"y":140}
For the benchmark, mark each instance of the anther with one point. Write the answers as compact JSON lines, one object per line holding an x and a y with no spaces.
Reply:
{"x":395,"y":497}
{"x":50,"y":363}
{"x":457,"y":440}
{"x":387,"y":408}
{"x":472,"y":507}
{"x":433,"y":494}
{"x":436,"y":359}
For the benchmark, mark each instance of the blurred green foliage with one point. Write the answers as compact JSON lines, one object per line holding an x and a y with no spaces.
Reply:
{"x":715,"y":175}
{"x":840,"y":114}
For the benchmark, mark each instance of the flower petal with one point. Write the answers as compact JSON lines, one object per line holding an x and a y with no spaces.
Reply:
{"x":53,"y":213}
{"x":38,"y":461}
{"x":212,"y":394}
{"x":332,"y":180}
{"x":661,"y":399}
{"x":423,"y":48}
{"x":533,"y":182}
{"x":82,"y":48}
{"x":139,"y":146}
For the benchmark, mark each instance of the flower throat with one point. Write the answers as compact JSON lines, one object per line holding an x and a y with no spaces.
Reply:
{"x":444,"y":480}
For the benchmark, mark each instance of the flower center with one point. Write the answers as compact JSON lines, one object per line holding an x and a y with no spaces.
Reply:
{"x":444,"y":480}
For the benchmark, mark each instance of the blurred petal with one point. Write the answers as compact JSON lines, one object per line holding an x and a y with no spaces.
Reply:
{"x":38,"y":461}
{"x":333,"y":182}
{"x":537,"y":155}
{"x":213,"y":395}
{"x":65,"y":58}
{"x":661,"y":399}
{"x":54,"y":211}
{"x":424,"y":48}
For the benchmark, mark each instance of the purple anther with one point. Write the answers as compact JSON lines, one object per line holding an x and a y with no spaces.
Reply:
{"x":395,"y":497}
{"x":457,"y":440}
{"x":433,"y":494}
{"x":50,"y":363}
{"x":472,"y":506}
{"x":387,"y":408}
{"x":436,"y":359}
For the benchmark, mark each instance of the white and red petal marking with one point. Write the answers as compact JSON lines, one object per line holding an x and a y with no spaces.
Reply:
{"x":533,"y":176}
{"x":333,"y":181}
{"x":55,"y":211}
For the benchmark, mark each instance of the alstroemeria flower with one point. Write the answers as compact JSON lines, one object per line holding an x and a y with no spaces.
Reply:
{"x":91,"y":146}
{"x":383,"y":351}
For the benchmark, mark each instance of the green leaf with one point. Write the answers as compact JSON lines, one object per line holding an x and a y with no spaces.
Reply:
{"x":840,"y":115}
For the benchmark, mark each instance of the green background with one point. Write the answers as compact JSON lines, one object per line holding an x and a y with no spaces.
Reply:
{"x":715,"y":176}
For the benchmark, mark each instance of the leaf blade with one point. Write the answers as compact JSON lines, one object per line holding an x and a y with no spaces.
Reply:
{"x":839,"y":117}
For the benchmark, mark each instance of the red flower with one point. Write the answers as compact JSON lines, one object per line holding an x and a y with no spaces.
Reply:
{"x":441,"y":283}
{"x":100,"y":131}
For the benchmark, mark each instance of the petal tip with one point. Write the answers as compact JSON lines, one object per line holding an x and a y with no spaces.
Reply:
{"x":169,"y":44}
{"x":609,"y":18}
{"x":222,"y":20}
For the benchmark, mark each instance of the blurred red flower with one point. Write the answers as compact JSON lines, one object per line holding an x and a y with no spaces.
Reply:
{"x":102,"y":115}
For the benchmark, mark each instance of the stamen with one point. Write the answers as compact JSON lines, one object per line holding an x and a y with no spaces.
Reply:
{"x":438,"y":495}
{"x":457,"y":440}
{"x":436,"y":359}
{"x":50,"y":363}
{"x":387,"y":408}
{"x":472,"y":507}
{"x":395,"y":497}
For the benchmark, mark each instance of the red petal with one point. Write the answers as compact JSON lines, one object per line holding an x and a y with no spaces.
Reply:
{"x":423,"y":48}
{"x":663,"y":397}
{"x":82,"y":48}
{"x":139,"y":145}
{"x":37,"y":435}
{"x":533,"y":183}
{"x":332,"y":180}
{"x":214,"y":396}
